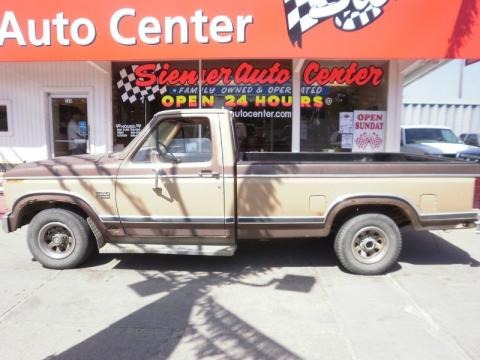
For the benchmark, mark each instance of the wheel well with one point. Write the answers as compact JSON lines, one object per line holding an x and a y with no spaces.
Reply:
{"x":397,"y":214}
{"x":33,"y":209}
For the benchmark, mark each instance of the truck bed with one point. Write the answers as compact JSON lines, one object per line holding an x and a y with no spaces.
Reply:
{"x":277,"y":189}
{"x":352,"y":164}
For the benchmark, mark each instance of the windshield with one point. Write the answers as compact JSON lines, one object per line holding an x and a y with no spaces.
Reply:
{"x":430,"y":135}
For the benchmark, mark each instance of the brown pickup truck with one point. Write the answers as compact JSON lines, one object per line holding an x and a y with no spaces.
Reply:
{"x":181,"y":187}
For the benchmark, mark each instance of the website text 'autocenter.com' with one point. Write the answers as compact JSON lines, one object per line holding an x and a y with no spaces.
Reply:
{"x":262,"y":114}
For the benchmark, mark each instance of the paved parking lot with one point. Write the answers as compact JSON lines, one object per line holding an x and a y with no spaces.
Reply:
{"x":285,"y":300}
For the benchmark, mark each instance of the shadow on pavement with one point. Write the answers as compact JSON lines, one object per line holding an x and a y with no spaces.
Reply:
{"x":156,"y":330}
{"x":419,"y":248}
{"x":250,"y":254}
{"x":189,"y":315}
{"x":425,"y":248}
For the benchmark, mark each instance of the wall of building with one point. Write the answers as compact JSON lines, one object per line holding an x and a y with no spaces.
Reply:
{"x":26,"y":86}
{"x":461,"y":117}
{"x":448,"y":96}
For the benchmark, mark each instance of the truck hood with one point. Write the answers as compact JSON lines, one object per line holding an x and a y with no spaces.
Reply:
{"x":439,"y":148}
{"x":70,"y":166}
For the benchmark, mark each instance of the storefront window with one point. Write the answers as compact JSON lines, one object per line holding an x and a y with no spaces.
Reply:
{"x":140,"y":90}
{"x":334,"y":95}
{"x":258,"y":92}
{"x":260,"y":95}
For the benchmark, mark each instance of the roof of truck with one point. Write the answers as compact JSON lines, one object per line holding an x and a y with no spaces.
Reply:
{"x":424,"y":127}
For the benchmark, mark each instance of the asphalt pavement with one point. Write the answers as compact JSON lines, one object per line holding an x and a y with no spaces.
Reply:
{"x":272,"y":300}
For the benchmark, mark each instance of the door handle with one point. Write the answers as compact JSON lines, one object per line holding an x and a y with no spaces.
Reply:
{"x":157,"y":180}
{"x":208,"y":174}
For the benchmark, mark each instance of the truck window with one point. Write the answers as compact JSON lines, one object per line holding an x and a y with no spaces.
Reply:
{"x":430,"y":135}
{"x":471,"y":139}
{"x":187,"y":139}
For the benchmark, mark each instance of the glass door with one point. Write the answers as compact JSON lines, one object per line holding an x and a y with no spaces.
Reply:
{"x":70,"y":130}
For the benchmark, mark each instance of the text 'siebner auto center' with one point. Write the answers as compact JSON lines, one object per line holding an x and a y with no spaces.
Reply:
{"x":299,"y":75}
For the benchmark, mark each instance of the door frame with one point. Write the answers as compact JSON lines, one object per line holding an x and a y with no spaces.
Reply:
{"x":179,"y":227}
{"x":75,"y":93}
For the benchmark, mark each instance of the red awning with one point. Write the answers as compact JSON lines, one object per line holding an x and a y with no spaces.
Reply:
{"x":52,"y":30}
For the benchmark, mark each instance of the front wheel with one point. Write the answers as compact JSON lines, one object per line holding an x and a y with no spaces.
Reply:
{"x":368,"y":244}
{"x":59,"y":239}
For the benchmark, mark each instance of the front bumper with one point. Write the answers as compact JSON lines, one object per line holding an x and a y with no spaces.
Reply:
{"x":5,"y":223}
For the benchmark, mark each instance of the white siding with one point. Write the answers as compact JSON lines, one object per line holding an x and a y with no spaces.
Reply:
{"x":461,"y":117}
{"x":26,"y":86}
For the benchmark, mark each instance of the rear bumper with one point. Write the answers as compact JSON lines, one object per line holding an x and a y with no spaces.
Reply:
{"x":6,"y":223}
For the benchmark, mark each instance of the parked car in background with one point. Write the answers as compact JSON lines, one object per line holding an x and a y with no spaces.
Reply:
{"x":431,"y":140}
{"x":470,"y":139}
{"x":472,"y":154}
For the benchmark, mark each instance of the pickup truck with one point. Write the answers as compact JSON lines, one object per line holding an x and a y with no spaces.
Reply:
{"x":183,"y":187}
{"x":431,"y":140}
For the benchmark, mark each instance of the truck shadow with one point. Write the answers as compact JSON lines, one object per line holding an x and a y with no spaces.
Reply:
{"x":419,"y":248}
{"x":250,"y":254}
{"x":426,"y":248}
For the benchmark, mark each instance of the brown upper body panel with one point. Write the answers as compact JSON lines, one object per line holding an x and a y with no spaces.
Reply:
{"x":79,"y":165}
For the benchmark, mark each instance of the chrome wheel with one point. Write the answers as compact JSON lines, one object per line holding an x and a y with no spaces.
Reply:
{"x":370,"y":244}
{"x":56,"y":240}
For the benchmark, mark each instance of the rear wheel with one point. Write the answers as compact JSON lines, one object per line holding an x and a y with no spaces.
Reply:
{"x":368,"y":244}
{"x":59,"y":239}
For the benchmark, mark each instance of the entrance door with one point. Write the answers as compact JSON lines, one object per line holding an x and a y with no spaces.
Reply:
{"x":69,"y":125}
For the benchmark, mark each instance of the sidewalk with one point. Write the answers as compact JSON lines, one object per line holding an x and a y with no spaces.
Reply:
{"x":285,"y":299}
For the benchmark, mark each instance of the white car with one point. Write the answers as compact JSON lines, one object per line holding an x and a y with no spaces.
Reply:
{"x":431,"y":140}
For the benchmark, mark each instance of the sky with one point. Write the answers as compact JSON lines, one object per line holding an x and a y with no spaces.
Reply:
{"x":443,"y":84}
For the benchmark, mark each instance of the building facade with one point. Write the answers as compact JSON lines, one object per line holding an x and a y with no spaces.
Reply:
{"x":454,"y":103}
{"x":298,"y":76}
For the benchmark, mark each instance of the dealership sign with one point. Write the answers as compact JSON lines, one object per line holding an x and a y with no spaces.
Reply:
{"x":150,"y":30}
{"x":50,"y":30}
{"x":267,"y":85}
{"x":245,"y":73}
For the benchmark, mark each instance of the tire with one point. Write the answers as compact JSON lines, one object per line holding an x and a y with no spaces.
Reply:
{"x":368,"y":244}
{"x":59,"y":239}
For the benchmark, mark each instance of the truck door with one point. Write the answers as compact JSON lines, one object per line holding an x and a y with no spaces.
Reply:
{"x":172,"y":183}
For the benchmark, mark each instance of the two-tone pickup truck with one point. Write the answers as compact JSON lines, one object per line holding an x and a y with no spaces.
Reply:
{"x":182,"y":187}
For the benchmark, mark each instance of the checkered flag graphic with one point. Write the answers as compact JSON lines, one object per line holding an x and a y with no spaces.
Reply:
{"x":298,"y":19}
{"x":302,"y":15}
{"x":362,"y":141}
{"x":365,"y":140}
{"x":376,"y":141}
{"x":131,"y":92}
{"x":352,"y":19}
